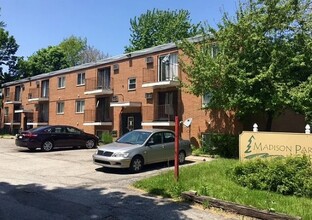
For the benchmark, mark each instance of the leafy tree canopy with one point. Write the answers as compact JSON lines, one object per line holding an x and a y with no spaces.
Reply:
{"x":159,"y":27}
{"x":71,"y":51}
{"x":264,"y":53}
{"x":8,"y":60}
{"x":72,"y":48}
{"x":44,"y":61}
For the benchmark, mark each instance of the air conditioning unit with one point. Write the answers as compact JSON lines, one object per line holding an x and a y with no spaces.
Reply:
{"x":115,"y":98}
{"x":116,"y":67}
{"x":149,"y":59}
{"x":148,"y":95}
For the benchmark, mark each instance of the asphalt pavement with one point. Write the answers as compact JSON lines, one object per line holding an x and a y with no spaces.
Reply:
{"x":65,"y":184}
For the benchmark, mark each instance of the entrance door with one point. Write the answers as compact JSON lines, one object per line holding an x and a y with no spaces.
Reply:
{"x":130,"y":121}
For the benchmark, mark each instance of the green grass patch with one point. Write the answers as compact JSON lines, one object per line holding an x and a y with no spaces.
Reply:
{"x":211,"y":179}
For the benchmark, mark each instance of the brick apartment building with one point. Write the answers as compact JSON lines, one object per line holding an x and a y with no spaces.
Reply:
{"x":117,"y":94}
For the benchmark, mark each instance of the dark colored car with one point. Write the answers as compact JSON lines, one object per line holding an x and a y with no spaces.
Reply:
{"x":48,"y":137}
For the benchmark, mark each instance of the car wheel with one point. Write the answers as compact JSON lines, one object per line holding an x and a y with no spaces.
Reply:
{"x":136,"y":164}
{"x":90,"y":144}
{"x":181,"y":157}
{"x":47,"y":146}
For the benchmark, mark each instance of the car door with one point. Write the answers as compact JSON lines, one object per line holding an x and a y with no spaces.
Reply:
{"x":75,"y":137}
{"x":169,"y":145}
{"x":59,"y":136}
{"x":155,"y":148}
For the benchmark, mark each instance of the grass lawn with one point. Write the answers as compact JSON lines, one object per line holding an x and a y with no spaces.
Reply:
{"x":211,"y":179}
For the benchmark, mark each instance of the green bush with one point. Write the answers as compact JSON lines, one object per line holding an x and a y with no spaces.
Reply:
{"x":224,"y":145}
{"x":106,"y":138}
{"x":287,"y":176}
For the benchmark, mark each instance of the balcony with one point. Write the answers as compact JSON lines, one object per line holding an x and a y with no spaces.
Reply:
{"x":37,"y":119}
{"x":160,"y":115}
{"x":98,"y":87}
{"x":13,"y":98}
{"x":165,"y":80}
{"x":98,"y":117}
{"x":38,"y":95}
{"x":12,"y":119}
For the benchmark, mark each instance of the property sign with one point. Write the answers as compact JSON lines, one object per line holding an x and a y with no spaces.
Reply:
{"x":273,"y":144}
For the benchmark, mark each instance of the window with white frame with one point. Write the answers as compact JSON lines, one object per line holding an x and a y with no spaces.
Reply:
{"x":80,"y":79}
{"x":80,"y":105}
{"x":61,"y":82}
{"x":131,"y":83}
{"x":168,"y":67}
{"x":206,"y":99}
{"x":60,"y":108}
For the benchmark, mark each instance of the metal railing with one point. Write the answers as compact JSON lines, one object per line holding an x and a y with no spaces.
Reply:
{"x":95,"y":84}
{"x":165,"y":112}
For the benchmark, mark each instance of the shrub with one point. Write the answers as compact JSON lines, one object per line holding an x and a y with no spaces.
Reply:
{"x":287,"y":176}
{"x":106,"y":138}
{"x":224,"y":145}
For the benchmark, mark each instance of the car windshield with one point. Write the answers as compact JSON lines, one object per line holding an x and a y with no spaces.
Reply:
{"x":134,"y":137}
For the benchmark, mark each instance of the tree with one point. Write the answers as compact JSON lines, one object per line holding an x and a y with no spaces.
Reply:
{"x":71,"y":51}
{"x":91,"y":54}
{"x":263,"y":54}
{"x":301,"y":98}
{"x":43,"y":61}
{"x":72,"y":48}
{"x":8,"y":60}
{"x":159,"y":27}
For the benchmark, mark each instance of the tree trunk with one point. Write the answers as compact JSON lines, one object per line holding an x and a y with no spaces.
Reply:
{"x":269,"y":122}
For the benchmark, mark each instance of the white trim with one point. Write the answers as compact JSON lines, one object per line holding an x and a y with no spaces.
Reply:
{"x":38,"y":100}
{"x":162,"y":84}
{"x":37,"y":123}
{"x":99,"y":92}
{"x":12,"y":123}
{"x":13,"y":102}
{"x":109,"y":123}
{"x":24,"y":111}
{"x":125,"y":104}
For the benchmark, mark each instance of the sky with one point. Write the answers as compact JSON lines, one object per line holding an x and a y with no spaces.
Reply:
{"x":37,"y":24}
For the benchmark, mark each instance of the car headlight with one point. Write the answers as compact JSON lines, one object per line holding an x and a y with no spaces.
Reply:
{"x":120,"y":154}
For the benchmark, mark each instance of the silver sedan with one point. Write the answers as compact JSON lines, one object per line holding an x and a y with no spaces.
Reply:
{"x":140,"y":147}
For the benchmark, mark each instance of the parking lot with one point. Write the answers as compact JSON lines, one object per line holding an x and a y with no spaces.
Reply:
{"x":65,"y":184}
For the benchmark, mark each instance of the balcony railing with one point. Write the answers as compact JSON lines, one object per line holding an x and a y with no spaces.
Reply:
{"x":38,"y":117}
{"x":12,"y":118}
{"x":13,"y":97}
{"x":93,"y":85}
{"x":151,"y":78}
{"x":99,"y":115}
{"x":36,"y":94}
{"x":165,"y":112}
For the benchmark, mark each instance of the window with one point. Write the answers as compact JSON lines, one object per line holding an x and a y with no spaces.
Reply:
{"x":214,"y":50}
{"x":61,"y":82}
{"x":6,"y":111}
{"x":60,"y":108}
{"x":206,"y":99}
{"x":80,"y":104}
{"x":168,"y":67}
{"x":81,"y":79}
{"x":7,"y":92}
{"x":131,"y":83}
